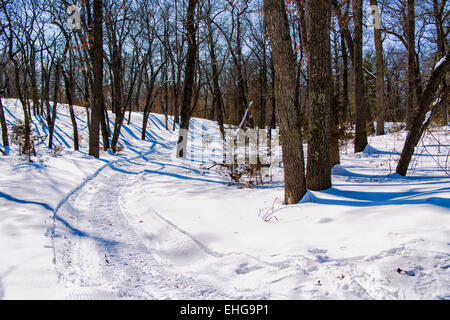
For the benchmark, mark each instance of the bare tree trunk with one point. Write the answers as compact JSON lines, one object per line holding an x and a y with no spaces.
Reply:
{"x":217,"y":94}
{"x":191,"y":59}
{"x":263,"y":90}
{"x":104,"y":125}
{"x":147,"y":108}
{"x":51,"y":128}
{"x":318,"y":168}
{"x":345,"y":98}
{"x":97,"y":63}
{"x":335,"y":157}
{"x":334,"y":110}
{"x":380,"y":77}
{"x":411,"y":23}
{"x":285,"y":82}
{"x":34,"y":91}
{"x":361,"y":113}
{"x":46,"y":94}
{"x":166,"y":96}
{"x":441,"y":44}
{"x":273,"y":120}
{"x":4,"y":126}
{"x":68,"y":83}
{"x":27,"y":122}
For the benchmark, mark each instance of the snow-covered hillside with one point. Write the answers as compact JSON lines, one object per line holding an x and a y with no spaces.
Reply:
{"x":143,"y":224}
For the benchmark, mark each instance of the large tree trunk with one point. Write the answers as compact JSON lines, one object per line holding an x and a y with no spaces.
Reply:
{"x":191,"y":59}
{"x":285,"y":82}
{"x":361,"y":113}
{"x":441,"y":44}
{"x":380,"y":77}
{"x":318,"y":168}
{"x":97,"y":63}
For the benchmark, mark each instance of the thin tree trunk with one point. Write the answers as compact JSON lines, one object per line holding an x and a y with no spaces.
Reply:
{"x":104,"y":125}
{"x":334,"y":110}
{"x":217,"y":94}
{"x":263,"y":90}
{"x":27,"y":139}
{"x":410,"y":101}
{"x":147,"y":108}
{"x":273,"y":120}
{"x":68,"y":83}
{"x":345,"y":98}
{"x":4,"y":126}
{"x":34,"y":91}
{"x":51,"y":128}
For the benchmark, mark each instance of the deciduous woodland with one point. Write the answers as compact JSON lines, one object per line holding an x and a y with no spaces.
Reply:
{"x":92,"y":78}
{"x":313,"y":68}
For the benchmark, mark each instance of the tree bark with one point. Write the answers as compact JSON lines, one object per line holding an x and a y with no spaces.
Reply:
{"x":380,"y":77}
{"x":411,"y":27}
{"x":441,"y":44}
{"x":318,"y":170}
{"x":285,"y":82}
{"x":191,"y":59}
{"x":361,"y":113}
{"x":217,"y":94}
{"x":4,"y":126}
{"x":68,"y":83}
{"x":51,"y":128}
{"x":345,"y":98}
{"x":97,"y":63}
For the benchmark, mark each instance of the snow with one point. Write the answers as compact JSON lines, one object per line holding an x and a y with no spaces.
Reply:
{"x":439,"y":63}
{"x":145,"y":225}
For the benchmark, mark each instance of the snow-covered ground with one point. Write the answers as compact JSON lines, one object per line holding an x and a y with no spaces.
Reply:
{"x":143,"y":224}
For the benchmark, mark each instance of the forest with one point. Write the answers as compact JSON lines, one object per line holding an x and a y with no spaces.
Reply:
{"x":87,"y":81}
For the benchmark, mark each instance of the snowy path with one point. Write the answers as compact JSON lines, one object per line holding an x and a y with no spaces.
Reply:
{"x":97,"y":248}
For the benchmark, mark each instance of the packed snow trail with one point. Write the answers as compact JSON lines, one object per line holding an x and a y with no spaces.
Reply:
{"x":96,"y":247}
